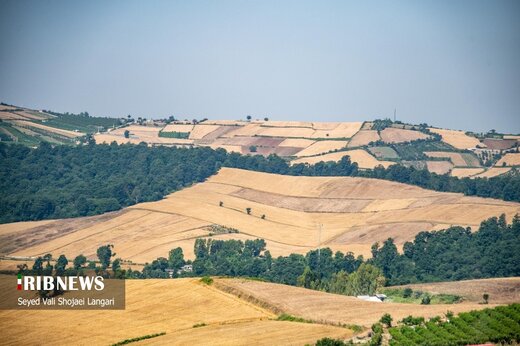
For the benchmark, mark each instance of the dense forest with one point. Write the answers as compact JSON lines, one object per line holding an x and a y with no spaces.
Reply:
{"x":69,"y":181}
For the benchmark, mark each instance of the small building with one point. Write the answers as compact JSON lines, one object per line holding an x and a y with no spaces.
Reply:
{"x":370,"y":299}
{"x":187,"y":268}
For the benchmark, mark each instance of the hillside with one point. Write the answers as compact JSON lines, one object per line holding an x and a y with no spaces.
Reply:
{"x":31,"y":127}
{"x":334,"y":308}
{"x":501,"y":291}
{"x":286,"y":211}
{"x":369,"y":144}
{"x":155,"y":306}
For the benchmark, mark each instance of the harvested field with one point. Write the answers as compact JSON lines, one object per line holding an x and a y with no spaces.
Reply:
{"x":220,"y":131}
{"x":360,"y":156}
{"x":226,"y":122}
{"x":393,"y":135}
{"x":355,"y":213}
{"x":140,"y":134}
{"x":253,"y":333}
{"x":439,"y":167}
{"x":384,"y":152}
{"x":154,"y":306}
{"x":11,"y":116}
{"x":322,"y":147}
{"x":199,"y":131}
{"x":343,"y":130}
{"x":178,"y":128}
{"x":364,"y":137}
{"x":500,"y":290}
{"x":65,"y":133}
{"x":465,"y":172}
{"x":31,"y":115}
{"x":457,"y":139}
{"x":296,"y":142}
{"x":509,"y":159}
{"x":287,"y":132}
{"x":288,"y":124}
{"x":332,"y":308}
{"x":493,"y":172}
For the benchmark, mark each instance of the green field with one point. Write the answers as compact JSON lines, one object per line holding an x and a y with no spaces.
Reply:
{"x":82,"y":123}
{"x":498,"y":325}
{"x":386,"y":153}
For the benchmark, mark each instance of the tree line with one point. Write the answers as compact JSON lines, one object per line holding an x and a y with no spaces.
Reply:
{"x":446,"y":255}
{"x":70,"y":181}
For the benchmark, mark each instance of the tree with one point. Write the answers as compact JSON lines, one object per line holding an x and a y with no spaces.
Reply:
{"x":266,"y":119}
{"x":116,"y":265}
{"x":104,"y":254}
{"x":79,"y":261}
{"x":367,"y":280}
{"x":248,"y":211}
{"x":307,"y":279}
{"x":386,"y":319}
{"x":407,"y":292}
{"x":127,"y":134}
{"x":176,"y":259}
{"x":252,"y":148}
{"x":485,"y":296}
{"x":38,"y":266}
{"x":61,"y":264}
{"x":426,"y":300}
{"x":248,"y":118}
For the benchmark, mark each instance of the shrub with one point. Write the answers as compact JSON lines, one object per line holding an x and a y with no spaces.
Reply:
{"x":207,"y":280}
{"x":386,"y":319}
{"x":426,"y":300}
{"x":407,"y":292}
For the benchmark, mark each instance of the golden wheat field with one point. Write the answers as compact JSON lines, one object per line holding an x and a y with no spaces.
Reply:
{"x":363,"y":138}
{"x":493,"y":172}
{"x":360,"y":156}
{"x":509,"y":159}
{"x":457,"y":139}
{"x":171,"y":306}
{"x":322,"y":147}
{"x":393,"y":135}
{"x":465,"y":172}
{"x":138,"y":134}
{"x":354,"y":213}
{"x":332,"y":308}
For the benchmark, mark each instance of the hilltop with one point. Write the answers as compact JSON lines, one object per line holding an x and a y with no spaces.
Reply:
{"x":286,"y":211}
{"x":368,"y":143}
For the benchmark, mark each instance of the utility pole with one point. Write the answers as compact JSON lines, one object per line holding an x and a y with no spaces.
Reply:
{"x":395,"y":111}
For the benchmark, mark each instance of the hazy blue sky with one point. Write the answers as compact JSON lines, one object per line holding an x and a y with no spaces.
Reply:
{"x":448,"y":63}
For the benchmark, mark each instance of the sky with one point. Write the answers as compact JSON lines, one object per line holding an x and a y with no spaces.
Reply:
{"x":452,"y":64}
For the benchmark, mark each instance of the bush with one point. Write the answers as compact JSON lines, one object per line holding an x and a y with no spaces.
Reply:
{"x":386,"y":319}
{"x":426,"y":300}
{"x":407,"y":292}
{"x":207,"y":280}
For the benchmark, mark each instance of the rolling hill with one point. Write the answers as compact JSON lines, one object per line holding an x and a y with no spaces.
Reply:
{"x":286,"y":211}
{"x":156,"y":306}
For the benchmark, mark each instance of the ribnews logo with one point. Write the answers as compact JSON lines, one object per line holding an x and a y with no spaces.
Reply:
{"x":65,"y":283}
{"x":88,"y":292}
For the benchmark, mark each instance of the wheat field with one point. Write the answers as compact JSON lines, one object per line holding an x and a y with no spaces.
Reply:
{"x":354,"y":214}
